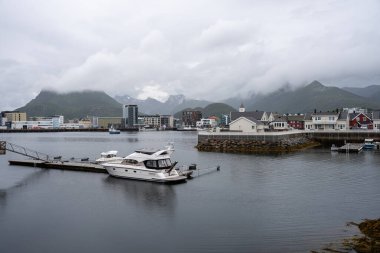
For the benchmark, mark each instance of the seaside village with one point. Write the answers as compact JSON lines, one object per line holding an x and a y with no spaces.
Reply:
{"x":238,"y":121}
{"x":346,"y":119}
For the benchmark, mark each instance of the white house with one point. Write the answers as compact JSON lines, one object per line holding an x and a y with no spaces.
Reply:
{"x":343,"y":122}
{"x":279,"y":124}
{"x":376,"y":120}
{"x":263,"y":116}
{"x":247,"y":125}
{"x":326,"y":121}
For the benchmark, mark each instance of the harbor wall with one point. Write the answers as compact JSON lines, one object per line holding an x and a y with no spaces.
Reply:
{"x":254,"y":143}
{"x":341,"y":137}
{"x":278,"y":142}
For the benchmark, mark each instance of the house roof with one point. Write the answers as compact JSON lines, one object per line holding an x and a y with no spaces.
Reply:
{"x":255,"y":114}
{"x":343,"y":115}
{"x":295,"y":117}
{"x":308,"y":116}
{"x":325,"y":113}
{"x":257,"y":122}
{"x":280,"y":119}
{"x":354,"y":115}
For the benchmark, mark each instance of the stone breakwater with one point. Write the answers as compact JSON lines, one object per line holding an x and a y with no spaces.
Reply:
{"x":235,"y":143}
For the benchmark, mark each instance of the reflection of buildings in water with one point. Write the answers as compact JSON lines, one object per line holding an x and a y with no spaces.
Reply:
{"x":150,"y":195}
{"x":20,"y":185}
{"x":132,"y":139}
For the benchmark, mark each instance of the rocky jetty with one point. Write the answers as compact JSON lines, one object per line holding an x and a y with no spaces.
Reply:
{"x":255,"y":146}
{"x":367,"y":242}
{"x":370,"y":242}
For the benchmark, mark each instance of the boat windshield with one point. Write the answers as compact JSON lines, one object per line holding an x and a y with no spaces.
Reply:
{"x":130,"y":161}
{"x":158,"y":164}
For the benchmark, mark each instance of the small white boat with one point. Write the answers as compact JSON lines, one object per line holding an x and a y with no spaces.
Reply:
{"x":112,"y":130}
{"x":334,"y":148}
{"x":147,"y":164}
{"x":109,"y":157}
{"x":369,"y":144}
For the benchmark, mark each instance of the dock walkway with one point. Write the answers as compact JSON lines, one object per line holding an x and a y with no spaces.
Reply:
{"x":73,"y":166}
{"x":351,"y":148}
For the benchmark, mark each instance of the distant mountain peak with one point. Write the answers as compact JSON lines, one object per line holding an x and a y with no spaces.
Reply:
{"x":76,"y":104}
{"x":316,"y":84}
{"x":176,"y":99}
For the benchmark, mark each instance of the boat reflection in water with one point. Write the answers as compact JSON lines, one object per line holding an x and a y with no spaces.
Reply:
{"x":147,"y":195}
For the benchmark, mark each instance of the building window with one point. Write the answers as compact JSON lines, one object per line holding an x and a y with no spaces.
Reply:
{"x":253,"y":127}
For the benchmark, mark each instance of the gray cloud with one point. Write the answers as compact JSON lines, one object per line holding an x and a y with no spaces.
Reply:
{"x":211,"y":50}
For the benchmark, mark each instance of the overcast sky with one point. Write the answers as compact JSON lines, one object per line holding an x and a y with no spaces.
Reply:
{"x":205,"y":49}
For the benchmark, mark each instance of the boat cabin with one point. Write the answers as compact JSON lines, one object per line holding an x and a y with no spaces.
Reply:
{"x":108,"y":154}
{"x":158,"y":164}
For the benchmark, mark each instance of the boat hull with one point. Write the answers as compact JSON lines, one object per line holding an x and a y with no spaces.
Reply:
{"x":144,"y":175}
{"x":369,"y":146}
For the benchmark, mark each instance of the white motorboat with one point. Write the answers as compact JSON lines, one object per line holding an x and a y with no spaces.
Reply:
{"x":334,"y":148}
{"x":369,"y":144}
{"x":109,"y":157}
{"x":147,"y":164}
{"x":112,"y":130}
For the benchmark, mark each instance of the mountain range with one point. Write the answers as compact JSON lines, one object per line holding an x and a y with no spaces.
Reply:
{"x":311,"y":97}
{"x":173,"y":104}
{"x":314,"y":96}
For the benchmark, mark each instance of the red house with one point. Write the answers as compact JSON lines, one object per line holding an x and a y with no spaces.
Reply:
{"x":296,"y":121}
{"x":361,"y":120}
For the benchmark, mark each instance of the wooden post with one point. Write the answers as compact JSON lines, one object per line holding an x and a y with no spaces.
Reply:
{"x":3,"y":149}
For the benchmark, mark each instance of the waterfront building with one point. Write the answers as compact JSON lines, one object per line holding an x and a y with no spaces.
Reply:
{"x":56,"y":121}
{"x":85,"y":123}
{"x":190,"y":118}
{"x":327,"y":121}
{"x":246,"y":125}
{"x":32,"y":124}
{"x":15,"y":116}
{"x":167,"y":121}
{"x":343,"y":121}
{"x":107,"y":122}
{"x":279,"y":124}
{"x":376,"y":120}
{"x":321,"y":120}
{"x":361,"y":120}
{"x":264,"y":117}
{"x":130,"y":115}
{"x":296,"y":121}
{"x":152,"y":121}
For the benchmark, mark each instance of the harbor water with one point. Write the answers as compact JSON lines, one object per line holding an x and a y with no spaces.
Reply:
{"x":294,"y":202}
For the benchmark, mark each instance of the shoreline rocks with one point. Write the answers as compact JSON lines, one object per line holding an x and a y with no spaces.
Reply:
{"x":370,"y":242}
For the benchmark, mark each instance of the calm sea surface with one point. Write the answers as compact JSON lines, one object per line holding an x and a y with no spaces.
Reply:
{"x":257,"y":203}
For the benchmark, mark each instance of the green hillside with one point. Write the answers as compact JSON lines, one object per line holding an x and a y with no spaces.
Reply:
{"x":73,"y":105}
{"x":308,"y":98}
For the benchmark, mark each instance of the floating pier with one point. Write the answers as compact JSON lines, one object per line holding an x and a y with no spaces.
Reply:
{"x":351,"y":148}
{"x":73,"y":166}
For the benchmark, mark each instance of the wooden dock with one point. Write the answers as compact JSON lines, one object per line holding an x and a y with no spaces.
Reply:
{"x":351,"y":148}
{"x":73,"y":166}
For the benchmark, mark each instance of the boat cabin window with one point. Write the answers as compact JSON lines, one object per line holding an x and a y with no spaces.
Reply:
{"x":130,"y":161}
{"x":158,"y":164}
